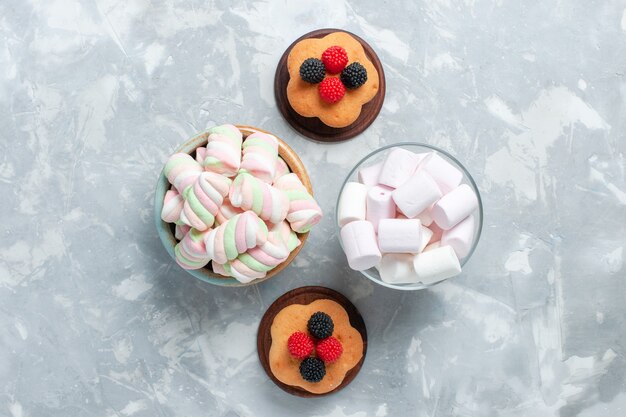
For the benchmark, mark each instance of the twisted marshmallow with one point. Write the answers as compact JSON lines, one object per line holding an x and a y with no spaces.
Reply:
{"x":304,"y":212}
{"x":240,"y":272}
{"x":250,"y":193}
{"x":260,"y":152}
{"x":182,"y":171}
{"x":223,"y":150}
{"x":281,"y":168}
{"x":191,"y":252}
{"x":181,"y":230}
{"x":226,"y":212}
{"x":267,"y":256}
{"x":240,"y":233}
{"x":203,"y":200}
{"x":172,"y":206}
{"x":257,"y":261}
{"x":288,"y":236}
{"x":200,"y":154}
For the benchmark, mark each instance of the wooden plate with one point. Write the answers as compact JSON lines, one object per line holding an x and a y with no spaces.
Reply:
{"x":306,"y":295}
{"x":312,"y":127}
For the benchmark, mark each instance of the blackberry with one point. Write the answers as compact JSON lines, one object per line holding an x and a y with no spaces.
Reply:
{"x":320,"y":325}
{"x":312,"y":369}
{"x":353,"y":76}
{"x":312,"y":70}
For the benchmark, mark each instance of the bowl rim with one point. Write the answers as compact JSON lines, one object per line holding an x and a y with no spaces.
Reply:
{"x":466,"y":173}
{"x":164,"y":229}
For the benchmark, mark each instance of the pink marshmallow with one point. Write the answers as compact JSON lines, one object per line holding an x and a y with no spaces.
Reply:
{"x":454,"y":207}
{"x":369,"y":175}
{"x":460,"y":237}
{"x":399,"y":235}
{"x":417,"y":194}
{"x":359,"y":244}
{"x":437,"y":232}
{"x":446,"y":175}
{"x":380,"y":205}
{"x":398,"y":167}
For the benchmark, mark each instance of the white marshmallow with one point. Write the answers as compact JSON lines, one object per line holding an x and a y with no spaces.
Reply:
{"x":397,"y":268}
{"x":454,"y":207}
{"x":425,"y":217}
{"x":369,"y":175}
{"x":417,"y":194}
{"x":425,"y":235}
{"x":460,"y":237}
{"x":359,"y":244}
{"x":379,"y":205}
{"x":398,"y":167}
{"x":399,"y":235}
{"x":432,"y":246}
{"x":446,"y":175}
{"x":352,"y":203}
{"x":436,"y":264}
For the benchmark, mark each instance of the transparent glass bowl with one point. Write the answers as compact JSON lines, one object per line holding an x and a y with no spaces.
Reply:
{"x":378,"y":156}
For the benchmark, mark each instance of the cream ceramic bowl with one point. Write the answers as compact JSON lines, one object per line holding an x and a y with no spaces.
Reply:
{"x":166,"y":230}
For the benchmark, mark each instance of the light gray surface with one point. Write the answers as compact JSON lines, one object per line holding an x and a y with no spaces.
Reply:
{"x":97,"y":321}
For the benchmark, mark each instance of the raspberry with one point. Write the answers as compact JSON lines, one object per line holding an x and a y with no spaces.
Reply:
{"x":335,"y":59}
{"x":312,"y":369}
{"x":331,"y":90}
{"x":320,"y":325}
{"x":354,"y":75}
{"x":329,"y":349}
{"x":300,"y":345}
{"x":312,"y":70}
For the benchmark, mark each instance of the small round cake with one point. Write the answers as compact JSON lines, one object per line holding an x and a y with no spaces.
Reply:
{"x":312,"y":341}
{"x":329,"y":85}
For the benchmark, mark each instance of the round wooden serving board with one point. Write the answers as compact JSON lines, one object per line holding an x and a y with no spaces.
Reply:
{"x":306,"y":295}
{"x":312,"y":127}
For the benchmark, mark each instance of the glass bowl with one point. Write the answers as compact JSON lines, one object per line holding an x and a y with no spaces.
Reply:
{"x":378,"y":156}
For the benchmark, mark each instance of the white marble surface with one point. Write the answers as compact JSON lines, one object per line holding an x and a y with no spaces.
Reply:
{"x":97,"y":321}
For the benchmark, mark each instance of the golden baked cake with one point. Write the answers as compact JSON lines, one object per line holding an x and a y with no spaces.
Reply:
{"x":314,"y":346}
{"x":331,"y":78}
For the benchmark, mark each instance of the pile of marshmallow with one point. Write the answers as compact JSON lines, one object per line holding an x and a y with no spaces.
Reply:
{"x":236,"y":205}
{"x":409,"y":216}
